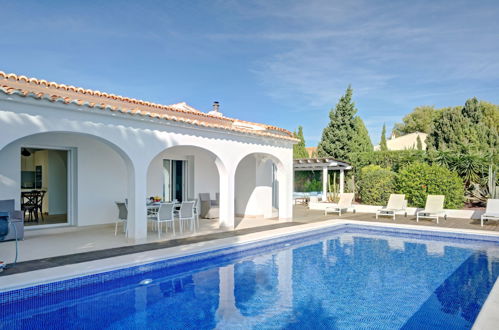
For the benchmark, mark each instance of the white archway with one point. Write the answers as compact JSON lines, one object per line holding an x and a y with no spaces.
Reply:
{"x":205,"y":172}
{"x":101,"y":173}
{"x":260,"y":186}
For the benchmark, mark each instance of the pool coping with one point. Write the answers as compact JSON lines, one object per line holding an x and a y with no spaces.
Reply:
{"x":487,"y":318}
{"x":86,"y":256}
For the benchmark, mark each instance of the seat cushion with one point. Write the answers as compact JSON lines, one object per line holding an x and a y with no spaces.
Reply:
{"x":213,"y":213}
{"x":7,"y":205}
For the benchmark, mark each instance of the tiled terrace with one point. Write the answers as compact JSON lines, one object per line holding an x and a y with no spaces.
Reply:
{"x":75,"y":245}
{"x":304,"y":215}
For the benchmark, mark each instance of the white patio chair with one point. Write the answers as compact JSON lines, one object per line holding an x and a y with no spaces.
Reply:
{"x":164,"y":214}
{"x":396,"y":203}
{"x":344,"y":203}
{"x":196,"y":212}
{"x":491,"y":211}
{"x":122,"y":218}
{"x":185,"y":214}
{"x":434,"y":208}
{"x":207,"y":209}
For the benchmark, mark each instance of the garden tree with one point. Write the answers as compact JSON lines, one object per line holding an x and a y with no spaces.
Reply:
{"x":382,"y":143}
{"x":470,"y":129}
{"x":299,"y":150}
{"x":419,"y":120}
{"x":491,"y":121}
{"x":302,"y":178}
{"x":361,"y":141}
{"x":419,"y":144}
{"x":490,"y":115}
{"x":344,"y":132}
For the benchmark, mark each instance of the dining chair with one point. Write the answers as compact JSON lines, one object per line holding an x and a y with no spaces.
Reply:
{"x":29,"y":204}
{"x":164,"y":214}
{"x":40,"y":194}
{"x":122,"y":218}
{"x":186,"y":213}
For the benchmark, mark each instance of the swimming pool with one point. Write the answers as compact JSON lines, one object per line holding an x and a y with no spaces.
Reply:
{"x":348,"y":277}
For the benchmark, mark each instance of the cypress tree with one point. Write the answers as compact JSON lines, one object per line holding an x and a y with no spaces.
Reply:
{"x":299,"y":150}
{"x":419,"y":144}
{"x":382,"y":143}
{"x":344,"y":131}
{"x":361,"y":142}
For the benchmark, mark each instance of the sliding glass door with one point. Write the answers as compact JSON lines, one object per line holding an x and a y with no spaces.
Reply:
{"x":174,"y":180}
{"x":45,"y":186}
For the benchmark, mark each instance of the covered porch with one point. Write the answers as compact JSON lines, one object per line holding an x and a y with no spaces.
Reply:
{"x":74,"y":241}
{"x":97,"y":174}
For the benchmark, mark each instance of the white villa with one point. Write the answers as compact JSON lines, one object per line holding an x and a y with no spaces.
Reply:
{"x":87,"y":149}
{"x":405,"y":142}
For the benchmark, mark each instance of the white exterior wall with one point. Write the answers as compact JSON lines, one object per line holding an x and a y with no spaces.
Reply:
{"x":254,"y":187}
{"x":138,"y":140}
{"x":245,"y":184}
{"x":203,"y":173}
{"x":405,"y":142}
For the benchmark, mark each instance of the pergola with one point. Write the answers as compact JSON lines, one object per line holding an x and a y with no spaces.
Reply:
{"x":325,"y":164}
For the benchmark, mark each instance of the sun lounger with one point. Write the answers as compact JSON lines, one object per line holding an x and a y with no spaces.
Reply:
{"x":492,"y":211}
{"x":344,"y":203}
{"x":396,"y":203}
{"x":433,"y":209}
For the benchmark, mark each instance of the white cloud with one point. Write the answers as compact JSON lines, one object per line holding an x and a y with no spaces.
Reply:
{"x":396,"y":50}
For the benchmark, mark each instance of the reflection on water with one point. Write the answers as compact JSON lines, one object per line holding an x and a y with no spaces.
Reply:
{"x":345,"y":281}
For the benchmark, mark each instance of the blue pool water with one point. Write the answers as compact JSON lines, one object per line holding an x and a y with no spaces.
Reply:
{"x":348,"y":278}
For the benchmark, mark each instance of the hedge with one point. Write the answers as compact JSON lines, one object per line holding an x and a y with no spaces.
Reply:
{"x":393,"y":160}
{"x":375,"y":184}
{"x":418,"y":180}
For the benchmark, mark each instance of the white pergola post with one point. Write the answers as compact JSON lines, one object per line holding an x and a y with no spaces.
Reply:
{"x":342,"y":181}
{"x":324,"y":184}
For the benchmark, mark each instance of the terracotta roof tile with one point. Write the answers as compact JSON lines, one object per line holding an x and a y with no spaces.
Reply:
{"x":180,"y":112}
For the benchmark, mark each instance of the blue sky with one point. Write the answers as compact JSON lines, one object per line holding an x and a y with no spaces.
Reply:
{"x":284,"y":63}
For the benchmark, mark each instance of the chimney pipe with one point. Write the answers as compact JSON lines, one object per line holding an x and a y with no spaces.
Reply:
{"x":215,"y":111}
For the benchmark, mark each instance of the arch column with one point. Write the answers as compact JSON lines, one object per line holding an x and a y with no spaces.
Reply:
{"x":227,"y":198}
{"x":137,"y":208}
{"x":286,"y":177}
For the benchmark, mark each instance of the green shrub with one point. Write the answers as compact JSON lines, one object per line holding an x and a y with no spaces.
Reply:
{"x":306,"y":181}
{"x":419,"y":180}
{"x":376,"y":184}
{"x":314,"y":185}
